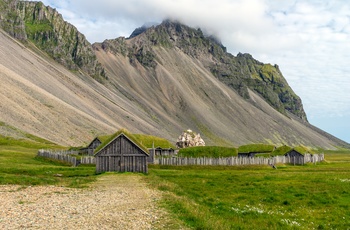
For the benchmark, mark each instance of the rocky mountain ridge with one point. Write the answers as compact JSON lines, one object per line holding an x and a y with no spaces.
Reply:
{"x":45,"y":27}
{"x":163,"y":80}
{"x":240,"y":73}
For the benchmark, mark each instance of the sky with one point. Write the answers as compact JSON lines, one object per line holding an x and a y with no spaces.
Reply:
{"x":308,"y":40}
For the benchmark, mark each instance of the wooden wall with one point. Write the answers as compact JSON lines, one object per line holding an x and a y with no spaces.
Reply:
{"x":121,"y":155}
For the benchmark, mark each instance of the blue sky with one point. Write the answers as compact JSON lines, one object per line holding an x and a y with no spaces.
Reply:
{"x":309,"y":40}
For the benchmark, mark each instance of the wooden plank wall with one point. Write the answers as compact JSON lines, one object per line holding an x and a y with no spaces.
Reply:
{"x":121,"y":156}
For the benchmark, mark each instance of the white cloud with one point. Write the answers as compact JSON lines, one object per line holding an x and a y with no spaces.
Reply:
{"x":309,"y":40}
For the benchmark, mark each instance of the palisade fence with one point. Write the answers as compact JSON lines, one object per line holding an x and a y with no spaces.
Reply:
{"x":230,"y":161}
{"x":66,"y":157}
{"x":183,"y":161}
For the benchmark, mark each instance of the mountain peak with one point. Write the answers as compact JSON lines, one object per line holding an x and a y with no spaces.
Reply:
{"x":142,"y":29}
{"x":242,"y":73}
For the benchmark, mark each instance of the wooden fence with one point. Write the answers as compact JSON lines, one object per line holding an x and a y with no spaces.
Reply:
{"x":89,"y":160}
{"x":65,"y":156}
{"x":183,"y":161}
{"x":230,"y":161}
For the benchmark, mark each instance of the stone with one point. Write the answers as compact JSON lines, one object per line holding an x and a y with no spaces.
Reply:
{"x":189,"y":139}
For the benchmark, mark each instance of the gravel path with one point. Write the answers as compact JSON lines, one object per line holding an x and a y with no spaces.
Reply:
{"x":115,"y":201}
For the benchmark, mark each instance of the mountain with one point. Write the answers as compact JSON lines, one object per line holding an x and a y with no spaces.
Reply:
{"x":161,"y":80}
{"x":239,"y":73}
{"x":45,"y":27}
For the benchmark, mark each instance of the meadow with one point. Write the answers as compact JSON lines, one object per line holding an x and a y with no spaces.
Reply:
{"x":252,"y":197}
{"x":19,"y":165}
{"x":259,"y":197}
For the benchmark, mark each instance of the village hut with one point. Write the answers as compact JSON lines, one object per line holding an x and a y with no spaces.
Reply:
{"x":121,"y":153}
{"x":164,"y":151}
{"x":94,"y":144}
{"x":295,"y":157}
{"x":294,"y":153}
{"x":89,"y":150}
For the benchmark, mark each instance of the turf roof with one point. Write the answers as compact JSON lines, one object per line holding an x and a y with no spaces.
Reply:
{"x":107,"y":139}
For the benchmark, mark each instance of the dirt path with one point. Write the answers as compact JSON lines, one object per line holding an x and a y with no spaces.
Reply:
{"x":115,"y":201}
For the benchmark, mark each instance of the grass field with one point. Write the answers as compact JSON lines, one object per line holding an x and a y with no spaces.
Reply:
{"x":19,"y":165}
{"x":291,"y":197}
{"x":254,"y":197}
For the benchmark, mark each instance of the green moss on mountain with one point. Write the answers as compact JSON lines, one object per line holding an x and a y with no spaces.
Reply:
{"x":10,"y":20}
{"x":45,"y":27}
{"x":146,"y":58}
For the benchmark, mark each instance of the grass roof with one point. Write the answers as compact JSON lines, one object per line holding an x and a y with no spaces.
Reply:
{"x":303,"y":149}
{"x":148,"y":141}
{"x":208,"y":151}
{"x":104,"y":138}
{"x":282,"y":150}
{"x":109,"y":138}
{"x":256,"y":148}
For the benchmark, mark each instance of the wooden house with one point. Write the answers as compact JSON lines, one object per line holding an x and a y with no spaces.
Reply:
{"x":294,"y":153}
{"x":164,"y":151}
{"x":89,"y":150}
{"x":121,"y":153}
{"x":295,"y":157}
{"x":159,"y":152}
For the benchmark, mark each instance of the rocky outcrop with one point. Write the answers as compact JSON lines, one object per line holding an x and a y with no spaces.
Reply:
{"x":189,"y":139}
{"x":10,"y":19}
{"x":45,"y":27}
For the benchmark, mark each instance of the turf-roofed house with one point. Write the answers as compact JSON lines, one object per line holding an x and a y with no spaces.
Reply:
{"x":90,"y":149}
{"x":121,"y":153}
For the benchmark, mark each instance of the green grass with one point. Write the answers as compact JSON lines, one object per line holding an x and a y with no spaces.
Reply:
{"x":32,"y":29}
{"x":148,"y":141}
{"x":281,"y":150}
{"x":19,"y":165}
{"x":303,"y":149}
{"x":258,"y":197}
{"x":208,"y":151}
{"x":250,"y":197}
{"x":256,"y":148}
